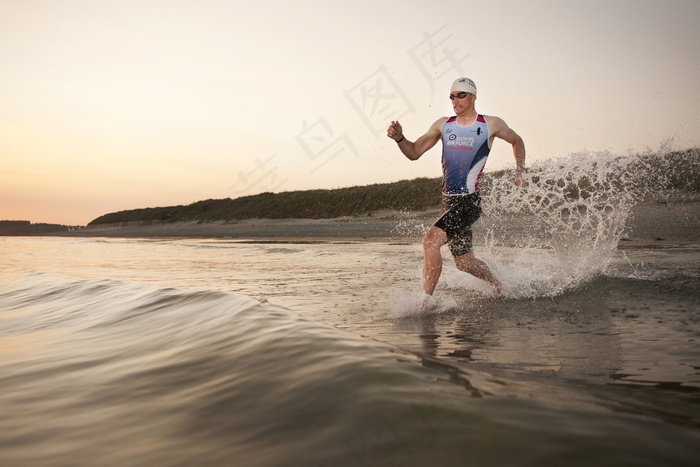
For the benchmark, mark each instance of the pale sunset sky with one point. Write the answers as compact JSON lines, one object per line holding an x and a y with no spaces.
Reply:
{"x":114,"y":105}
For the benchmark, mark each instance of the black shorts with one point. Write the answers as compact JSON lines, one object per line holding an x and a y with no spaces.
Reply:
{"x":462,"y":212}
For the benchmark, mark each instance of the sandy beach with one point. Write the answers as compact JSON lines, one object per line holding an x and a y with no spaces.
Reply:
{"x":650,"y":222}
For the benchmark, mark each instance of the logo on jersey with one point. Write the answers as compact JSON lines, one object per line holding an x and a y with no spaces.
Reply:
{"x":464,"y":141}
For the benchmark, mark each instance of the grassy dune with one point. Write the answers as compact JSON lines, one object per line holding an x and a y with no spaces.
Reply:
{"x":421,"y":193}
{"x":675,"y":171}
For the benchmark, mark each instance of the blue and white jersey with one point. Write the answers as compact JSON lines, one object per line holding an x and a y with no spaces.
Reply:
{"x":464,"y":153}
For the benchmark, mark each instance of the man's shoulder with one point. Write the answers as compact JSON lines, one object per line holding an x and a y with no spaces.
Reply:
{"x":490,"y":118}
{"x":494,"y":123}
{"x":439,"y":123}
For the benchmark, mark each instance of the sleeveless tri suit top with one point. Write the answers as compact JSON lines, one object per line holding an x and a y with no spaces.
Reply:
{"x":464,"y":153}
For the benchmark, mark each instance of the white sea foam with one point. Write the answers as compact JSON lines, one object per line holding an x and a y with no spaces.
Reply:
{"x":418,"y":304}
{"x":559,"y":232}
{"x":566,"y":224}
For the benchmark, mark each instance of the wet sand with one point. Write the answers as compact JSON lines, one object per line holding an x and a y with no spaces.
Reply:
{"x":650,"y":222}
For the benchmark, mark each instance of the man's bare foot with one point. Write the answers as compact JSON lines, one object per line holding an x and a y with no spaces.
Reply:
{"x":427,"y":304}
{"x":498,"y":290}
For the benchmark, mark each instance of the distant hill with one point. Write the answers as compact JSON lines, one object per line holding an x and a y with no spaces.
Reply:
{"x":22,"y":228}
{"x":418,"y":194}
{"x":677,"y":171}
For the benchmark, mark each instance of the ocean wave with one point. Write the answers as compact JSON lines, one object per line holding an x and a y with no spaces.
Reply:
{"x":117,"y":373}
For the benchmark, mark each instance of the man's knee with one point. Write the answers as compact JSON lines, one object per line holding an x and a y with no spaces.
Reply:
{"x":435,"y":238}
{"x":466,"y":262}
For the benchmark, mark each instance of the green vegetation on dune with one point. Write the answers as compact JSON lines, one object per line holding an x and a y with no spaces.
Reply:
{"x":674,"y":171}
{"x":418,"y":194}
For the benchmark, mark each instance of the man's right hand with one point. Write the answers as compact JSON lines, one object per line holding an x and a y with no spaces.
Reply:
{"x":395,"y":131}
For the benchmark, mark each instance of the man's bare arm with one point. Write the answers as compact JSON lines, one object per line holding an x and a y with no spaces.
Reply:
{"x":413,"y":150}
{"x":499,"y":129}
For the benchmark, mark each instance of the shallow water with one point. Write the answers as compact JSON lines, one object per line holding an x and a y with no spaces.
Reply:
{"x":190,"y":351}
{"x":215,"y":352}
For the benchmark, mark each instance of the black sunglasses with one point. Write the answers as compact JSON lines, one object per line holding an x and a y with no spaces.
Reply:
{"x":460,"y":95}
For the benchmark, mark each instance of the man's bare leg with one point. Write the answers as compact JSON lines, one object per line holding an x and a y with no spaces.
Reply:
{"x":434,"y":239}
{"x":477,"y":268}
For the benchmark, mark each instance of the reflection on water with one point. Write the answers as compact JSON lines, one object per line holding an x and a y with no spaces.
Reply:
{"x":132,"y":351}
{"x":634,"y":324}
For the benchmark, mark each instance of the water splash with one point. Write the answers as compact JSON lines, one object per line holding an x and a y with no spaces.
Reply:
{"x":566,"y":224}
{"x":414,"y":224}
{"x":419,"y":304}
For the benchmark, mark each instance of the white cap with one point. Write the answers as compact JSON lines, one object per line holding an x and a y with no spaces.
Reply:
{"x":464,"y":85}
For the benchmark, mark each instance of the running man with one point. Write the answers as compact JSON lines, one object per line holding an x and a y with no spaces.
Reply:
{"x":467,"y":138}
